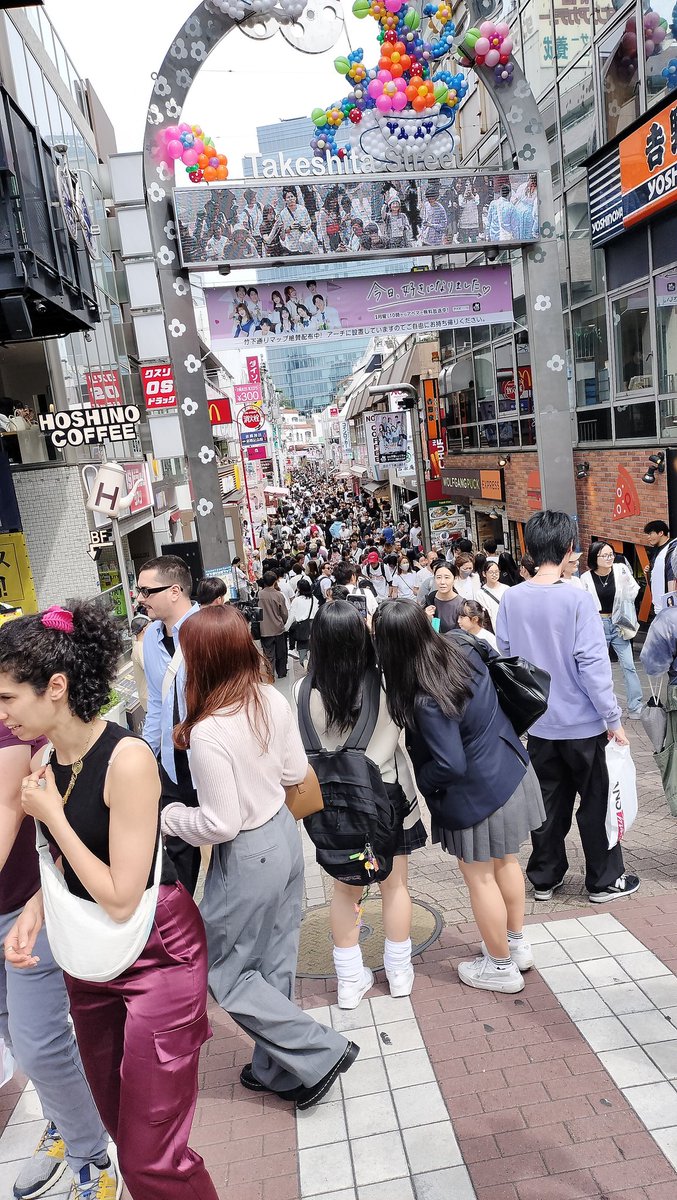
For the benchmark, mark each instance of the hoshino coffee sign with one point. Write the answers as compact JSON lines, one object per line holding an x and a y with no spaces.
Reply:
{"x":91,"y":426}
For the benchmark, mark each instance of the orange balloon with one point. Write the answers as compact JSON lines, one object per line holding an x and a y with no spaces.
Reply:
{"x":429,"y":100}
{"x":400,"y":47}
{"x":411,"y":92}
{"x":223,"y":161}
{"x":203,"y":161}
{"x":418,"y":104}
{"x":221,"y":172}
{"x":397,"y":70}
{"x":384,"y":64}
{"x":386,"y":50}
{"x":405,"y":62}
{"x":210,"y":174}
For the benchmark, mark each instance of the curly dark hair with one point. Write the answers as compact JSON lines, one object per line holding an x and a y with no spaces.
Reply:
{"x":88,"y":656}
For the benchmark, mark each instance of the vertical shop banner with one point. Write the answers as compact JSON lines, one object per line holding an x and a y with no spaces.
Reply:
{"x":103,"y":387}
{"x":386,"y":438}
{"x":143,"y":497}
{"x":435,"y":452}
{"x":159,"y":389}
{"x":432,"y":408}
{"x":332,"y":310}
{"x":253,"y":369}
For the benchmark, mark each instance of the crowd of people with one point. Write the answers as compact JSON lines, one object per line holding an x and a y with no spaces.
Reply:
{"x":394,"y":704}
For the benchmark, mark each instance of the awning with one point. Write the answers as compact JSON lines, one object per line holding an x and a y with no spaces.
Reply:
{"x":275,"y":491}
{"x":372,"y":487}
{"x":358,"y":471}
{"x":457,"y":376}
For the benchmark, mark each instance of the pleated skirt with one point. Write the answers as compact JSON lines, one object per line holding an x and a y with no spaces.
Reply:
{"x":504,"y":832}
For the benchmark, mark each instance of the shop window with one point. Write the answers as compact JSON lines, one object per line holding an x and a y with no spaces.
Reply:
{"x":619,"y":77}
{"x":664,"y":240}
{"x":635,"y":420}
{"x":666,"y":331}
{"x":577,"y":113}
{"x":538,"y":43}
{"x":660,"y":45}
{"x":528,"y":431}
{"x":605,"y":10}
{"x":627,"y":259}
{"x":488,"y":436}
{"x":573,"y":31}
{"x":508,"y":433}
{"x":586,"y":266}
{"x":632,"y":342}
{"x":591,"y":355}
{"x":454,"y":439}
{"x":594,"y":426}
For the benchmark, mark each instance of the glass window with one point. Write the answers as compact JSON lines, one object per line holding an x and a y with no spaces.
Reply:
{"x":577,"y":117}
{"x":573,"y":31}
{"x":488,"y":436}
{"x":594,"y":426}
{"x":538,"y":42}
{"x":590,"y":354}
{"x":660,"y":45}
{"x":627,"y":258}
{"x":664,"y":239}
{"x":666,"y":331}
{"x":38,"y":93}
{"x":54,"y":109}
{"x":528,"y":431}
{"x":61,"y":60}
{"x":635,"y":420}
{"x":20,"y":71}
{"x":632,"y":342}
{"x":484,"y":386}
{"x":516,"y":35}
{"x":506,"y":388}
{"x":47,"y":36}
{"x":619,"y":78}
{"x":604,"y":11}
{"x":586,"y":266}
{"x":548,"y":110}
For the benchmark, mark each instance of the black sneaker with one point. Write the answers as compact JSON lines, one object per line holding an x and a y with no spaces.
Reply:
{"x":249,"y":1081}
{"x":308,"y":1096}
{"x":625,"y":885}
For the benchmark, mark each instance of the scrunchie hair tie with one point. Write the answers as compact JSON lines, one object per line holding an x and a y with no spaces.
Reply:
{"x":58,"y":618}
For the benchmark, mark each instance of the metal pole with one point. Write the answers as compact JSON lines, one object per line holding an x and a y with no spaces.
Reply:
{"x":424,"y":516}
{"x":246,"y":485}
{"x":123,"y":570}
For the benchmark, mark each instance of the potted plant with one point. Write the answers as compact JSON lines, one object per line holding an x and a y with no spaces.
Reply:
{"x":114,"y":709}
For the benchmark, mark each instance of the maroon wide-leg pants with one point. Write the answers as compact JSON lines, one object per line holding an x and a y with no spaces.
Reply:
{"x":140,"y":1037}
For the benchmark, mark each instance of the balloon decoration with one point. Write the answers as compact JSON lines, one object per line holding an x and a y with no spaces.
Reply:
{"x":669,"y":73}
{"x":190,"y":145}
{"x":493,"y":44}
{"x":403,"y":96}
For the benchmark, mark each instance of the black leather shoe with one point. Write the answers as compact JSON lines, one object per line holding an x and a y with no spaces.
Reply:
{"x":249,"y":1081}
{"x":308,"y":1096}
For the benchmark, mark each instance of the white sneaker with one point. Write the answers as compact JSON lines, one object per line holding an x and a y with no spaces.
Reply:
{"x":350,"y":993}
{"x":401,"y":982}
{"x":520,"y":953}
{"x":481,"y":973}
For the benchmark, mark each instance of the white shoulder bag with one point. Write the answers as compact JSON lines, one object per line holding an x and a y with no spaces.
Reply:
{"x":85,"y":941}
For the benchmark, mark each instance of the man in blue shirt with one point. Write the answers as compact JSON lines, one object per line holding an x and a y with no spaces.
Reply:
{"x":558,"y":627}
{"x":164,"y":588}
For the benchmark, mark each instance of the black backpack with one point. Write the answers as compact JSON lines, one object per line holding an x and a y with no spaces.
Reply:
{"x":356,"y":833}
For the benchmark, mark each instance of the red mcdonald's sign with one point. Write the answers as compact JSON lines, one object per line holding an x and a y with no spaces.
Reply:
{"x":219,"y":411}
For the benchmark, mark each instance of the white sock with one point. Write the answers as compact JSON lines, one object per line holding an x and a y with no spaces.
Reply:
{"x":348,"y":963}
{"x":397,"y":955}
{"x":515,"y":937}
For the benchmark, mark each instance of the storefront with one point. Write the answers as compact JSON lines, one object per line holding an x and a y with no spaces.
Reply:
{"x":480,"y":490}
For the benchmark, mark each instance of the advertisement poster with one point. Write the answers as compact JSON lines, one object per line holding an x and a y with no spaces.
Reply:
{"x":103,"y":387}
{"x":359,"y":307}
{"x":386,"y":438}
{"x":445,"y":520}
{"x":159,"y":389}
{"x":264,"y":223}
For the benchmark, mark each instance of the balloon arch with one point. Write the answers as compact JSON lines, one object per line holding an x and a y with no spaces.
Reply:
{"x":431,"y":94}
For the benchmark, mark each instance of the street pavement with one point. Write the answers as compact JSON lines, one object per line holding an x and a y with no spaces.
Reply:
{"x":566,"y":1090}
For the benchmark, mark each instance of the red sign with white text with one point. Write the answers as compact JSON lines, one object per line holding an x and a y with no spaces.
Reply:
{"x":257,"y":452}
{"x":247,"y":393}
{"x":103,"y":388}
{"x":143,"y":497}
{"x":159,"y":389}
{"x":220,"y":411}
{"x":252,"y":418}
{"x":253,"y":369}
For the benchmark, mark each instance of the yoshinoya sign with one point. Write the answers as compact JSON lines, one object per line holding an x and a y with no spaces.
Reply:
{"x":91,"y":426}
{"x":635,"y":179}
{"x":473,"y":483}
{"x":354,"y":217}
{"x":335,"y":309}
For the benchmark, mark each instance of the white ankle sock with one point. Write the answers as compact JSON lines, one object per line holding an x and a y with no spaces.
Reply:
{"x":348,"y":963}
{"x":397,"y":955}
{"x":515,"y":937}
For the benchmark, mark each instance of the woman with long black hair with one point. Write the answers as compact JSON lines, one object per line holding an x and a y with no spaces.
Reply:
{"x":474,"y":773}
{"x":341,"y":659}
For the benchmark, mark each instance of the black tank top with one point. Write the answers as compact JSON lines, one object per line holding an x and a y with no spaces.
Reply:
{"x":87,"y":812}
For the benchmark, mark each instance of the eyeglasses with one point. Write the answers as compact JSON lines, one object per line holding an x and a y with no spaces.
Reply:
{"x":607,"y":556}
{"x":145,"y":592}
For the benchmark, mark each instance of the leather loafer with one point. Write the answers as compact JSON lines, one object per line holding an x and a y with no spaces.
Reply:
{"x":249,"y":1081}
{"x":308,"y":1096}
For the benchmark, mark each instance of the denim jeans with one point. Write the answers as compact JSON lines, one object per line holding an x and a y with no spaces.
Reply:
{"x":623,"y":650}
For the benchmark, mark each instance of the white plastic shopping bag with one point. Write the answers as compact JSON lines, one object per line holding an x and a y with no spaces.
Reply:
{"x":621,"y":808}
{"x":7,"y":1065}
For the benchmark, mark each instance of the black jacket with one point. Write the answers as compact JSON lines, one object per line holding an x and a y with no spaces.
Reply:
{"x":466,"y":768}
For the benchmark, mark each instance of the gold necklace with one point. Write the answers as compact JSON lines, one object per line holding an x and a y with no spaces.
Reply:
{"x":77,"y":767}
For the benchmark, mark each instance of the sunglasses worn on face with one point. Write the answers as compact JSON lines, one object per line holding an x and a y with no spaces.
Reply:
{"x":146,"y":591}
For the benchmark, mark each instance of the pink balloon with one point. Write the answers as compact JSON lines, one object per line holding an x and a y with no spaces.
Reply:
{"x":629,"y":43}
{"x":183,"y":128}
{"x":399,"y":101}
{"x":492,"y":58}
{"x":506,"y":46}
{"x":189,"y":157}
{"x":482,"y":45}
{"x":171,"y":132}
{"x":658,"y":35}
{"x":384,"y":76}
{"x":503,"y":29}
{"x":384,"y":104}
{"x":375,"y":88}
{"x":487,"y":29}
{"x":199,"y":146}
{"x":393,"y":6}
{"x":649,"y":47}
{"x":401,"y":84}
{"x":175,"y":148}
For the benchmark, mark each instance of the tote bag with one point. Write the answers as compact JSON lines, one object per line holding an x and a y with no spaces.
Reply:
{"x":85,"y":941}
{"x":622,"y":798}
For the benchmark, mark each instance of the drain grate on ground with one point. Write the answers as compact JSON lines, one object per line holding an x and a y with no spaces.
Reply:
{"x":315,"y":948}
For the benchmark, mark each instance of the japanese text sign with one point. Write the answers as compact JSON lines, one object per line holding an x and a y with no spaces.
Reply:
{"x":159,"y":389}
{"x":103,"y":387}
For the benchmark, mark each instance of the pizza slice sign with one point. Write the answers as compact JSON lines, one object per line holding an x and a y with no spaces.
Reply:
{"x":626,"y":502}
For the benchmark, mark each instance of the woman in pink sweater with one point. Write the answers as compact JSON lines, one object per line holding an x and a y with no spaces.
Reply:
{"x":245,"y":749}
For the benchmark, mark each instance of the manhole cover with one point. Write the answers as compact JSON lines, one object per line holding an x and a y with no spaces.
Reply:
{"x":315,"y":948}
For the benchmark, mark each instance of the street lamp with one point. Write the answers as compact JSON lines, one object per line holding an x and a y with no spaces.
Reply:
{"x":407,"y":398}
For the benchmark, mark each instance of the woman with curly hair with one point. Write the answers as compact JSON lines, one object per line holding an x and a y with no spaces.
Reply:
{"x":97,"y":801}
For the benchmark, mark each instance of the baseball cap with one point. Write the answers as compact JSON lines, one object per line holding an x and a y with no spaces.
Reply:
{"x":373,"y":558}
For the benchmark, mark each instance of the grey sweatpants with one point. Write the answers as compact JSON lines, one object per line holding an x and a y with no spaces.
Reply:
{"x":252,"y":914}
{"x":34,"y":1022}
